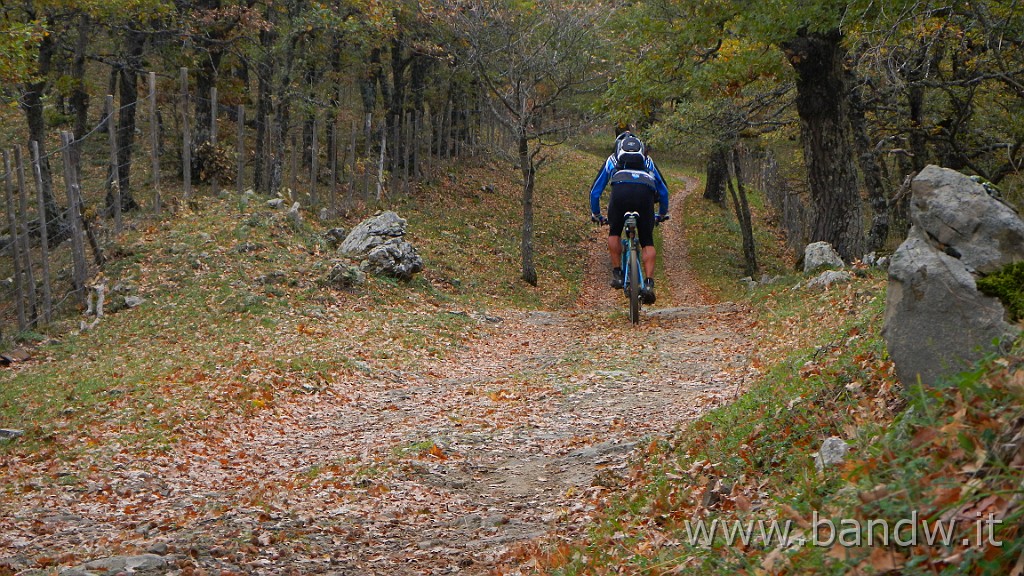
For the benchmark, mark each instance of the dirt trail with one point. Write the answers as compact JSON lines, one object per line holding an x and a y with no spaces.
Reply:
{"x":439,"y":471}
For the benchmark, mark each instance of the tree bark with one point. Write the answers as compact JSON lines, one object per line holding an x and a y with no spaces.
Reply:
{"x":264,"y":106}
{"x":529,"y":173}
{"x":129,"y":92}
{"x":79,"y":97}
{"x":32,"y":105}
{"x":739,"y":199}
{"x":716,"y":175}
{"x":418,"y":77}
{"x":822,"y":103}
{"x":872,"y":171}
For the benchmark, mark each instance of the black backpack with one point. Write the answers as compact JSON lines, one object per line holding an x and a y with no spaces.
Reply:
{"x":630,"y":154}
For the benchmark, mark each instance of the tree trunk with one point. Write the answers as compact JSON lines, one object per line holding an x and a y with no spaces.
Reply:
{"x":418,"y":76}
{"x":872,"y":171}
{"x":822,"y":103}
{"x":396,"y":106}
{"x":739,"y":200}
{"x":79,"y":97}
{"x":211,"y":43}
{"x":716,"y":175}
{"x":264,"y":97}
{"x":284,"y":100}
{"x":32,"y":105}
{"x":529,"y":174}
{"x":129,"y":92}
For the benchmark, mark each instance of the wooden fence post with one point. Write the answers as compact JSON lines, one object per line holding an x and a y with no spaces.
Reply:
{"x":293,"y":181}
{"x":115,"y":178}
{"x":314,"y":168}
{"x":268,"y":151}
{"x":368,"y":131}
{"x":75,"y":217}
{"x":26,"y":252}
{"x":214,"y":180}
{"x":380,"y":164}
{"x":408,"y":150}
{"x":351,"y":177}
{"x":334,"y":166}
{"x":154,"y":141}
{"x":240,"y":150}
{"x":44,"y":237}
{"x":12,"y":226}
{"x":186,"y":137}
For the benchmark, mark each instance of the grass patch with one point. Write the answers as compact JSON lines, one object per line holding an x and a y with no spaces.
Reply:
{"x":716,"y":244}
{"x":1006,"y":284}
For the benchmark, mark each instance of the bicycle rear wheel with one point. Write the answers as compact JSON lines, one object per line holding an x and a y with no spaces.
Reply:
{"x":634,"y":287}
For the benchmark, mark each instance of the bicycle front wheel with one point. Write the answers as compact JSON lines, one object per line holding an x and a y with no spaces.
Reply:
{"x":634,"y":287}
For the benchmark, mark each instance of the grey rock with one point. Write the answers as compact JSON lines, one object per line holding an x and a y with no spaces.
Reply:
{"x":821,"y":255}
{"x":963,"y":220}
{"x":828,"y":278}
{"x":275,"y":277}
{"x":395,"y":257}
{"x":295,"y":214}
{"x":247,"y":247}
{"x":345,"y":275}
{"x":467,"y":521}
{"x":936,"y":321}
{"x":832,"y":453}
{"x":373,"y":232}
{"x":119,"y":564}
{"x":10,"y":434}
{"x":275,"y":203}
{"x":325,"y":214}
{"x":133,"y":301}
{"x":336,"y":235}
{"x":494,"y":520}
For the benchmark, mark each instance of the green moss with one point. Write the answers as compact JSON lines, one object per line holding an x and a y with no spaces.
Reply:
{"x":1007,"y":284}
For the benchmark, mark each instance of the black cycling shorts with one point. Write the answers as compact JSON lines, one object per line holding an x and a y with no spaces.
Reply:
{"x":629,"y":197}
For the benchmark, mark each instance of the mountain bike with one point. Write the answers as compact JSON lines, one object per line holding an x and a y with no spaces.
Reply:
{"x":633,"y":278}
{"x":632,"y":267}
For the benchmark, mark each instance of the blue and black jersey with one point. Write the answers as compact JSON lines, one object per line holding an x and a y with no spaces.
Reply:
{"x":649,"y":177}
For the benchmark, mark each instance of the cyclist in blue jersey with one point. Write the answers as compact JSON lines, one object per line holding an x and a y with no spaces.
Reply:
{"x":636,"y":186}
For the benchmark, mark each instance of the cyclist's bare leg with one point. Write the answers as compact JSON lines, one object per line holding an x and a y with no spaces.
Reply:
{"x":648,"y":255}
{"x":615,"y":251}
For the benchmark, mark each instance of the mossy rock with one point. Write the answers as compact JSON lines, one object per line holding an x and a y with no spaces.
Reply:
{"x":1006,"y":284}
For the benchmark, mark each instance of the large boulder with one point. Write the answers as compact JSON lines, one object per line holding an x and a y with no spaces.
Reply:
{"x":379,"y":242}
{"x":821,"y":255}
{"x":937,"y":323}
{"x":958,"y":215}
{"x":371,"y":233}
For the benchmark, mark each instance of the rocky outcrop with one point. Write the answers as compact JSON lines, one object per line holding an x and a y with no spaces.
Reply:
{"x":371,"y":233}
{"x":395,"y":257}
{"x":937,"y":323}
{"x":379,"y":242}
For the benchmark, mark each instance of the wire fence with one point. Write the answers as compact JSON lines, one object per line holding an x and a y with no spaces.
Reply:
{"x":162,"y":150}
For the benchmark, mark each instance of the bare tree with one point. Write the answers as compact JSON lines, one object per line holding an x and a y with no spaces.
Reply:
{"x":533,"y":59}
